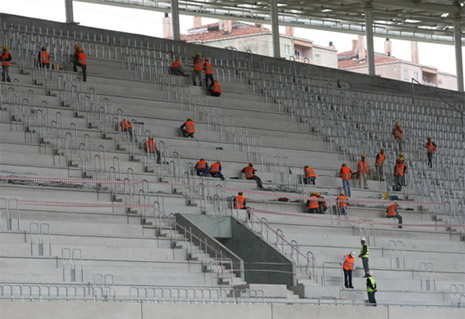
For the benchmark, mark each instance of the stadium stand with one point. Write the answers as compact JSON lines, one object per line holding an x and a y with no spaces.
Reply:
{"x":87,"y":215}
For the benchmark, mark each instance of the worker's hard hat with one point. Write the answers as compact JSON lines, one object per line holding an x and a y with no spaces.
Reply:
{"x":198,"y":54}
{"x":363,"y":239}
{"x":370,"y":273}
{"x":344,"y":164}
{"x":352,"y":254}
{"x":76,"y":46}
{"x":189,"y":119}
{"x":382,"y":149}
{"x":207,"y":58}
{"x":318,"y":194}
{"x":312,"y":194}
{"x":341,"y":194}
{"x":5,"y":47}
{"x":429,"y":137}
{"x":44,"y":47}
{"x":397,"y":124}
{"x":363,"y":155}
{"x":150,"y":137}
{"x":79,"y":49}
{"x":251,"y":164}
{"x":401,"y":159}
{"x":401,"y":154}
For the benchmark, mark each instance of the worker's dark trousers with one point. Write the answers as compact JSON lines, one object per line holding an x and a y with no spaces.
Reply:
{"x":430,"y":160}
{"x":84,"y":70}
{"x":185,"y":134}
{"x":310,"y":180}
{"x":216,"y":94}
{"x":347,"y":278}
{"x":371,"y":298}
{"x":399,"y":218}
{"x":209,"y":79}
{"x":314,"y":210}
{"x":258,"y":180}
{"x":158,"y":155}
{"x":219,"y":174}
{"x":366,"y":267}
{"x":6,"y":73}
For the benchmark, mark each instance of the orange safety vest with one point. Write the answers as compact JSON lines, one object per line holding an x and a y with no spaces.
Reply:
{"x":216,"y":87}
{"x":397,"y":132}
{"x":400,"y":168}
{"x":44,"y":57}
{"x":431,"y":147}
{"x":176,"y":64}
{"x":239,"y":202}
{"x":309,"y":172}
{"x":149,"y":146}
{"x":190,"y":127}
{"x":215,"y":168}
{"x":322,"y":202}
{"x":202,"y":164}
{"x":124,"y":124}
{"x":346,"y":173}
{"x":342,"y":201}
{"x":313,"y":203}
{"x":362,"y":169}
{"x":82,"y":58}
{"x":380,"y":160}
{"x":198,"y":63}
{"x":348,"y":263}
{"x":249,"y":172}
{"x":5,"y":56}
{"x":208,"y":68}
{"x":391,"y":211}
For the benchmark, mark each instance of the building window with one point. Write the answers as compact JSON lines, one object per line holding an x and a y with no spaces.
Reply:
{"x":406,"y":75}
{"x":297,"y":54}
{"x":287,"y":50}
{"x":415,"y":76}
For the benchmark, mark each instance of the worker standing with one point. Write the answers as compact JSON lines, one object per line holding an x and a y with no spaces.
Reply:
{"x":348,"y":266}
{"x":81,"y":60}
{"x":202,"y":168}
{"x":150,"y":148}
{"x":310,"y":176}
{"x":342,"y":202}
{"x":371,"y":288}
{"x":126,"y":126}
{"x":6,"y":63}
{"x":392,"y":213}
{"x":399,"y":173}
{"x":365,"y":255}
{"x":188,"y":128}
{"x":313,"y":204}
{"x":380,"y":157}
{"x":346,"y":174}
{"x":249,"y":173}
{"x":430,"y":149}
{"x":363,"y":172}
{"x":215,"y":170}
{"x":197,"y":70}
{"x":240,"y":203}
{"x":176,"y":68}
{"x":215,"y":89}
{"x":44,"y":58}
{"x":207,"y":67}
{"x":397,"y":132}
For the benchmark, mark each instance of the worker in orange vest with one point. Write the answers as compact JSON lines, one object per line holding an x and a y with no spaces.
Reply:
{"x":397,"y":132}
{"x":6,"y":62}
{"x":392,"y":213}
{"x":249,"y":173}
{"x":240,"y":203}
{"x":126,"y":126}
{"x":44,"y":58}
{"x":207,"y":67}
{"x":380,"y":157}
{"x":81,"y":60}
{"x":430,"y":149}
{"x":313,"y":204}
{"x":348,"y":265}
{"x":197,"y":70}
{"x":400,"y":170}
{"x":202,"y":168}
{"x":342,"y":203}
{"x":346,"y":174}
{"x":322,"y":203}
{"x":309,"y":175}
{"x":150,"y":147}
{"x":215,"y":170}
{"x":188,"y":128}
{"x":215,"y":90}
{"x":363,"y":172}
{"x":176,"y":68}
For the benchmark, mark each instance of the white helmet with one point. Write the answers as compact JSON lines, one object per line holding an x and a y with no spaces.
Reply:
{"x":352,"y":254}
{"x":363,"y":239}
{"x":370,"y":273}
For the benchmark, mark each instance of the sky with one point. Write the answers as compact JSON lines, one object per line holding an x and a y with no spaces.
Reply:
{"x":150,"y":23}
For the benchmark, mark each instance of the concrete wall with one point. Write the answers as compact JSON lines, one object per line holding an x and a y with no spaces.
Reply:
{"x":134,"y":310}
{"x":447,"y":81}
{"x":327,"y":57}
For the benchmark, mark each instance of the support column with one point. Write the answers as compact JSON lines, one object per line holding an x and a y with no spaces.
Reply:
{"x":175,"y":20}
{"x":69,"y":11}
{"x":275,"y":28}
{"x":369,"y":34}
{"x":458,"y":53}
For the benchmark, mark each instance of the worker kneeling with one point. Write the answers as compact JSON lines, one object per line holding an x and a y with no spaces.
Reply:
{"x":215,"y":170}
{"x":215,"y":89}
{"x":392,"y":213}
{"x":188,"y":128}
{"x":202,"y":168}
{"x":313,"y":204}
{"x":150,"y":148}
